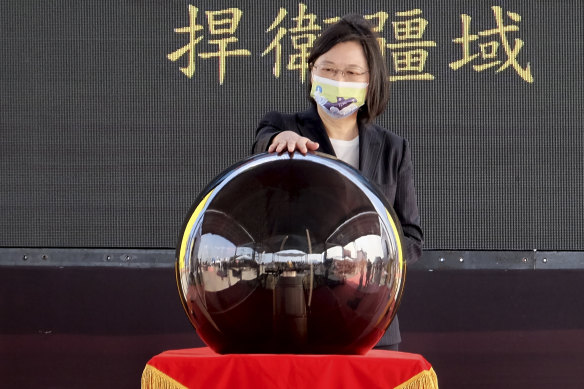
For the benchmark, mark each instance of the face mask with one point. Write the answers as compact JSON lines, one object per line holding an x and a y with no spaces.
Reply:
{"x":338,"y":98}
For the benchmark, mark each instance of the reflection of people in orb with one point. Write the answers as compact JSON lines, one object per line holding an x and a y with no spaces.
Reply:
{"x":260,"y":277}
{"x":347,"y":55}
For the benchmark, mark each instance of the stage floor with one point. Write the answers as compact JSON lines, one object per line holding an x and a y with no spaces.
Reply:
{"x":97,"y":328}
{"x":502,"y":359}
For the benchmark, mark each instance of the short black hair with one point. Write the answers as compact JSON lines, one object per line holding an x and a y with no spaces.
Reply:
{"x":355,"y":28}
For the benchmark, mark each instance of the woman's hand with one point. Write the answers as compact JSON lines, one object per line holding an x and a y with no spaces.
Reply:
{"x":292,"y":141}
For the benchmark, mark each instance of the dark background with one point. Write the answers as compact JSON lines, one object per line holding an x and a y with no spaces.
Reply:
{"x":105,"y":143}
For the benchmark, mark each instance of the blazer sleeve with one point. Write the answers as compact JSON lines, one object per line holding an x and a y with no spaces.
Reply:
{"x":405,"y":205}
{"x":271,"y":125}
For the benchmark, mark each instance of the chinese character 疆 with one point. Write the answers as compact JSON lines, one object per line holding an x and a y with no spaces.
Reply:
{"x":409,"y":57}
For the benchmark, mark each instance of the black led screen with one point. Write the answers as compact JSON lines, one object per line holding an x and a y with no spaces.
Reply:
{"x":115,"y":114}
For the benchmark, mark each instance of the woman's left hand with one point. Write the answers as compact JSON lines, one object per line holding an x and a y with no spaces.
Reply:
{"x":292,"y":141}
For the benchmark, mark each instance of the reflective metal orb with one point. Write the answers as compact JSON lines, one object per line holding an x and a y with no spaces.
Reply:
{"x":290,"y":254}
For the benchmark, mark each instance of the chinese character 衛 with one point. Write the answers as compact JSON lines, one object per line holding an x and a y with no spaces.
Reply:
{"x":302,"y":37}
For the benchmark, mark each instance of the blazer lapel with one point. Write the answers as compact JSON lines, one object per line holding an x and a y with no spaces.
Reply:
{"x":314,"y":130}
{"x":369,"y":141}
{"x":369,"y":150}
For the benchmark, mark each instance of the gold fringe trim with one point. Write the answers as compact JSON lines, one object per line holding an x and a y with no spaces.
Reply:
{"x":424,"y":380}
{"x":152,"y":378}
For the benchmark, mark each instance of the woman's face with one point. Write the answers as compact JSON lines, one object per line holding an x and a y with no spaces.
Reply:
{"x":345,"y":61}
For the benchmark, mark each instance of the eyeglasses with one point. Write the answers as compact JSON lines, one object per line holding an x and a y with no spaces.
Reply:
{"x":349,"y":74}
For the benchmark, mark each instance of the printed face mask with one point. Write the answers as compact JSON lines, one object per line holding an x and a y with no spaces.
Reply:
{"x":338,"y":98}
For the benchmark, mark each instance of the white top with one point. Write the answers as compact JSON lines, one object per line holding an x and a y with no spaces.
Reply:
{"x":347,"y":150}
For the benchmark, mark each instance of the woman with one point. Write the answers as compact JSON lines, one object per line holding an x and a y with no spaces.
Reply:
{"x":346,"y":61}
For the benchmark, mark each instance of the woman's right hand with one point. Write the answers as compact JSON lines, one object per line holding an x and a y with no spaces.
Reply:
{"x":292,"y":141}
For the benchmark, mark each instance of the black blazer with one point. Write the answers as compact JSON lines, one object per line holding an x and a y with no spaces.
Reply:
{"x":384,"y":158}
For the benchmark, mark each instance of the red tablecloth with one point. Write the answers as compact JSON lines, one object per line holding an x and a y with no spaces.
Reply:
{"x":203,"y":368}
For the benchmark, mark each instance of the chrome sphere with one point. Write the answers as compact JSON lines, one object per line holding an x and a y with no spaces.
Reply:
{"x":290,"y":254}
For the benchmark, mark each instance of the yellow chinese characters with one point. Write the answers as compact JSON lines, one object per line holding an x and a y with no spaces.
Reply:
{"x":303,"y":35}
{"x":409,"y":54}
{"x":407,"y":44}
{"x":489,"y":50}
{"x":377,"y":21}
{"x":222,"y":25}
{"x":276,"y":43}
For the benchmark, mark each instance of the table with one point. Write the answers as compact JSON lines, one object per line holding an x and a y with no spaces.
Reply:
{"x":203,"y":368}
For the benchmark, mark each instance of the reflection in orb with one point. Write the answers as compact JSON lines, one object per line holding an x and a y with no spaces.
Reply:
{"x":290,"y":254}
